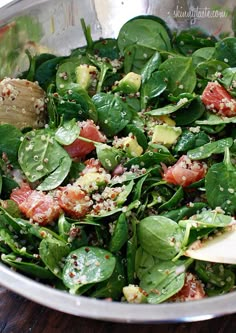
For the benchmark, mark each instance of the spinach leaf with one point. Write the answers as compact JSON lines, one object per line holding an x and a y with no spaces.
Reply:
{"x":137,"y":193}
{"x":225,"y":50}
{"x":65,"y":75}
{"x":207,"y":219}
{"x":151,"y":66}
{"x":220,"y":185}
{"x":190,"y":112}
{"x":75,"y":170}
{"x":144,"y":262}
{"x":10,"y":206}
{"x":57,"y":176}
{"x":140,"y":38}
{"x":120,"y":234}
{"x":146,"y":32}
{"x":131,"y":252}
{"x":174,"y":201}
{"x":76,"y":103}
{"x":7,"y":237}
{"x":180,"y":75}
{"x":35,"y":62}
{"x":185,"y":211}
{"x":202,"y":54}
{"x":8,"y":219}
{"x":163,"y":280}
{"x":159,"y":193}
{"x":113,"y":113}
{"x":212,"y":119}
{"x":8,"y":184}
{"x":18,"y":244}
{"x":187,"y":41}
{"x":160,"y":236}
{"x":107,"y":48}
{"x":216,"y":147}
{"x":136,"y":57}
{"x":87,"y":265}
{"x":208,"y":69}
{"x":228,"y":80}
{"x":112,"y":287}
{"x":0,"y":183}
{"x":45,"y":74}
{"x":168,"y":109}
{"x":40,"y":155}
{"x":24,"y":227}
{"x":10,"y":142}
{"x":149,"y":159}
{"x":72,"y":232}
{"x":122,"y":197}
{"x":154,"y":86}
{"x":67,"y":133}
{"x":189,"y":140}
{"x":52,"y":252}
{"x":218,"y":278}
{"x":134,"y":104}
{"x":29,"y":268}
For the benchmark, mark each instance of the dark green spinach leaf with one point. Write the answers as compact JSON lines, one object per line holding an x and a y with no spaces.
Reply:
{"x":113,"y":113}
{"x":180,"y":75}
{"x":220,"y":185}
{"x":160,"y":236}
{"x":87,"y":265}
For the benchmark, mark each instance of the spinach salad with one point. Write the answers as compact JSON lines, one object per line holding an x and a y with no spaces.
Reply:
{"x":135,"y":162}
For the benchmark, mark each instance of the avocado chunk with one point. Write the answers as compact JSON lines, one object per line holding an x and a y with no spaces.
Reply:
{"x":130,"y":145}
{"x":86,"y":76}
{"x":165,"y":134}
{"x":92,"y":180}
{"x":167,"y":120}
{"x":130,"y":83}
{"x":134,"y":294}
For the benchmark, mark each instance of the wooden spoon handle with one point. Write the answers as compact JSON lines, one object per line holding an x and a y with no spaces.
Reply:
{"x":22,"y":103}
{"x":219,"y":248}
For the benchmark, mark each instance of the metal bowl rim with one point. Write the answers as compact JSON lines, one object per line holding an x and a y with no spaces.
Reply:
{"x":204,"y":309}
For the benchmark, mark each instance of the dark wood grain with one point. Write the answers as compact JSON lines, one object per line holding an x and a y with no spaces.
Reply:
{"x":18,"y":315}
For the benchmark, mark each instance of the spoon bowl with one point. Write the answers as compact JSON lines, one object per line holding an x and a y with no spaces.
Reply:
{"x":22,"y":103}
{"x":220,"y":248}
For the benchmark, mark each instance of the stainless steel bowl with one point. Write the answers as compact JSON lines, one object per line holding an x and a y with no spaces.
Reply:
{"x":55,"y":25}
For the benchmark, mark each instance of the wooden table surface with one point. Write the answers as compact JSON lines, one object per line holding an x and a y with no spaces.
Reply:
{"x":18,"y":315}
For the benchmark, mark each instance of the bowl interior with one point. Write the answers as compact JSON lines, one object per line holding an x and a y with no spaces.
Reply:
{"x":54,"y":26}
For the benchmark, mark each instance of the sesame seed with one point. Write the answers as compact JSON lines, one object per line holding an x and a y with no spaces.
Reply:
{"x":39,"y":168}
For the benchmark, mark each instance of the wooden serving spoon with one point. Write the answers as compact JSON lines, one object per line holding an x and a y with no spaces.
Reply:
{"x":22,"y":103}
{"x":218,"y":248}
